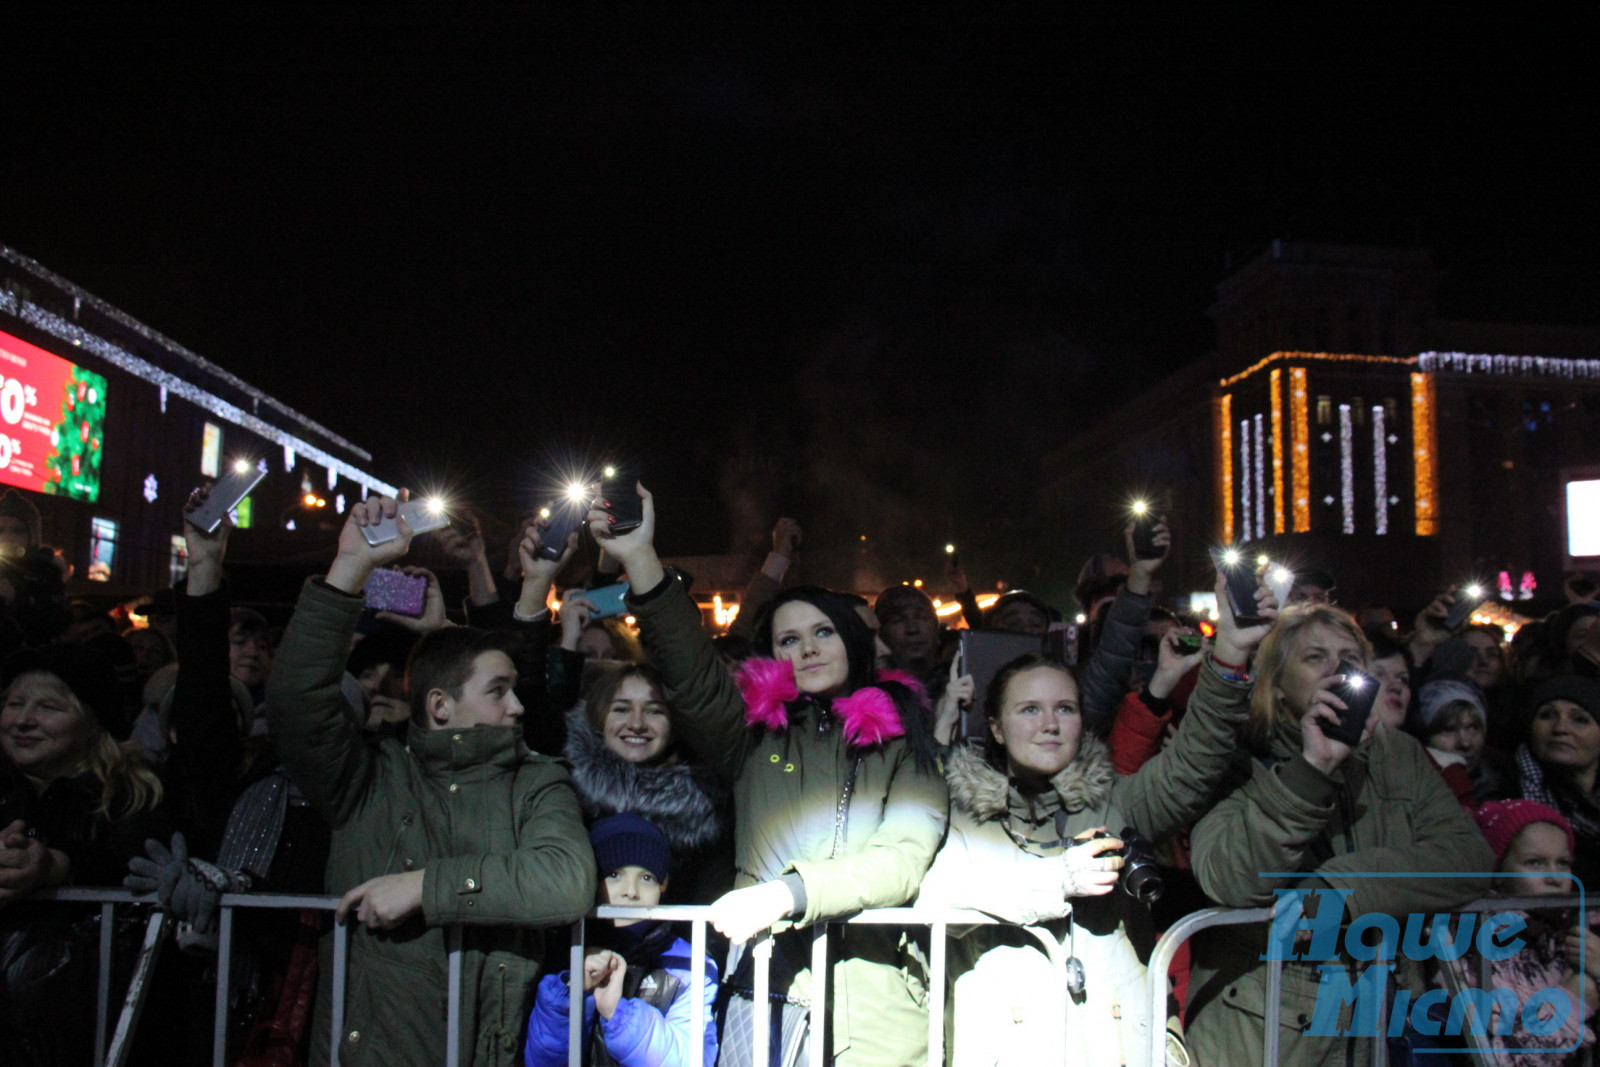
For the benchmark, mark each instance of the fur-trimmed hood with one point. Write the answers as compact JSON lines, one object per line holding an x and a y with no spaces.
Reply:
{"x":869,"y":716}
{"x":983,"y":792}
{"x":684,"y":800}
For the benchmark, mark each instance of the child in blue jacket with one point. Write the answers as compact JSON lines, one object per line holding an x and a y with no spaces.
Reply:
{"x":636,"y":974}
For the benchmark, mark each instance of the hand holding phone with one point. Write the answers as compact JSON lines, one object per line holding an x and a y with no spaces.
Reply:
{"x":423,"y":516}
{"x":1146,"y":519}
{"x":618,"y":496}
{"x":395,"y":591}
{"x":1358,"y":691}
{"x":1239,"y":576}
{"x":559,"y":520}
{"x":608,"y":600}
{"x":1468,"y":597}
{"x":206,"y":513}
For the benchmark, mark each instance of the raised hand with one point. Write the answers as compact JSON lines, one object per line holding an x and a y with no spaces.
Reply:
{"x":636,"y":549}
{"x":357,"y":559}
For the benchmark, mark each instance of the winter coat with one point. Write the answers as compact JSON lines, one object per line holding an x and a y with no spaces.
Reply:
{"x":1008,"y":1004}
{"x":786,"y":778}
{"x":1104,"y":679}
{"x":1384,"y":809}
{"x":496,"y":830}
{"x":684,"y":800}
{"x":639,"y":1033}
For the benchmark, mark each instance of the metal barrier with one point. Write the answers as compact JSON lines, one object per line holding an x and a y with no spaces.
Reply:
{"x":938,"y":921}
{"x":1167,"y":947}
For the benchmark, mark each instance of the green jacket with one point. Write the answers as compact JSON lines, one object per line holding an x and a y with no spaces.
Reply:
{"x":786,"y":792}
{"x":496,"y":830}
{"x":1384,"y":809}
{"x":1007,"y":1002}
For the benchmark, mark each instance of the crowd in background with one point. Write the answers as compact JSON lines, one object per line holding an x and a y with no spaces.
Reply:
{"x":505,"y":767}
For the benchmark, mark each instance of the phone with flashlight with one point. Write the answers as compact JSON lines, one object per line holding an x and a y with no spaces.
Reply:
{"x":1359,"y":691}
{"x":1468,"y":596}
{"x":225,"y":495}
{"x":1238,"y":571}
{"x":1280,"y":580}
{"x":619,"y":497}
{"x":423,"y":516}
{"x":393,"y":590}
{"x":1146,"y":517}
{"x":564,"y":515}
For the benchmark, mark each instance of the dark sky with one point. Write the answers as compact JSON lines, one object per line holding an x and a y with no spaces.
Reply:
{"x":841,"y":265}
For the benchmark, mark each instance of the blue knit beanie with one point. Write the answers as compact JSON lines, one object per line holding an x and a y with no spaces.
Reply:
{"x":631,"y":840}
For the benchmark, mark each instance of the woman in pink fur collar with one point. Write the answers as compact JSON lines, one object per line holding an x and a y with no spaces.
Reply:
{"x":838,"y":803}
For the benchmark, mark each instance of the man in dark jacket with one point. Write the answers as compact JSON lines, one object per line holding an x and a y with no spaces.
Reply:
{"x":460,"y":826}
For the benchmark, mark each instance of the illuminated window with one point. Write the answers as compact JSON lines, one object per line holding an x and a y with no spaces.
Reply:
{"x":1324,"y":411}
{"x":1583,"y":518}
{"x":178,"y":560}
{"x":1358,"y":409}
{"x":210,"y":449}
{"x":243,"y":514}
{"x":102,"y":549}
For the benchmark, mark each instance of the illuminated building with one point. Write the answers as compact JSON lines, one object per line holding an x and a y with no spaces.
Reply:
{"x":1341,"y":421}
{"x":106,"y":426}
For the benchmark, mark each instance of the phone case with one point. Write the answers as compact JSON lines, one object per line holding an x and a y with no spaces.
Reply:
{"x":1359,"y":691}
{"x":1144,"y":534}
{"x":983,"y":653}
{"x":622,"y":502}
{"x":607,"y":600}
{"x":419,"y":517}
{"x":396,"y":591}
{"x":224,"y":497}
{"x":565,"y":516}
{"x":1462,"y":609}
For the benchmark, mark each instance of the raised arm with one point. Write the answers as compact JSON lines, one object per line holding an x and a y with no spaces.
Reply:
{"x":1105,"y":679}
{"x":312,"y":725}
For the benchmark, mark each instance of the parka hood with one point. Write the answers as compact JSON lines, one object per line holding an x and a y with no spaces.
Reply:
{"x":983,"y":792}
{"x":679,"y":798}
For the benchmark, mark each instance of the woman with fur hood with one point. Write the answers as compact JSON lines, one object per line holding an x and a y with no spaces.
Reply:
{"x":626,"y":757}
{"x":838,"y":803}
{"x":1023,"y":808}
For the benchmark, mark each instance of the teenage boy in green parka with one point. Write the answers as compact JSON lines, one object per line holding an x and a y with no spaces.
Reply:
{"x":460,"y":825}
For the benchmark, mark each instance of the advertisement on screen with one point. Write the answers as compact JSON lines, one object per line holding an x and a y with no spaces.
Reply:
{"x":52,"y":422}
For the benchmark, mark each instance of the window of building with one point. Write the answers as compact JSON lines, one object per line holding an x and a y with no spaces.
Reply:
{"x":102,"y":549}
{"x":178,"y":560}
{"x":210,"y":449}
{"x":1324,"y":411}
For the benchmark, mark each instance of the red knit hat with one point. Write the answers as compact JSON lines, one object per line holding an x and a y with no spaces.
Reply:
{"x":1502,"y":820}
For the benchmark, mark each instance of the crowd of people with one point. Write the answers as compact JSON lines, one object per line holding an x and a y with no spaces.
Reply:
{"x":503,"y":768}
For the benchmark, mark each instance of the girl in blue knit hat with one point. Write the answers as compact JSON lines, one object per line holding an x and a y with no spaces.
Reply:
{"x":636,"y":976}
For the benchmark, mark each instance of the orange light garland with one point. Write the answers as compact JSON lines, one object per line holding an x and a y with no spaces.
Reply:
{"x":1277,"y":451}
{"x":1422,"y":450}
{"x":1225,"y":464}
{"x":1301,"y":442}
{"x":1316,"y":357}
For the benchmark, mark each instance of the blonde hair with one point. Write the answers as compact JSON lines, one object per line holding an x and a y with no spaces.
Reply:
{"x":1267,"y":708}
{"x":127,"y":784}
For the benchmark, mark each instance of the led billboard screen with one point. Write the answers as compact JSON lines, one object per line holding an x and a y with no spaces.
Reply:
{"x":52,"y":422}
{"x":1583,"y":518}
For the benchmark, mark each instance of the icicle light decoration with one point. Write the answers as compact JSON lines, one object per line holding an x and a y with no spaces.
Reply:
{"x":1347,"y":469}
{"x":1244,"y":476}
{"x":1261,"y":485}
{"x":1380,"y":472}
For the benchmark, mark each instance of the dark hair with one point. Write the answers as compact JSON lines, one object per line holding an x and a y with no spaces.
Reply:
{"x":1386,"y":643}
{"x":443,"y":660}
{"x":852,"y":630}
{"x":994,"y":699}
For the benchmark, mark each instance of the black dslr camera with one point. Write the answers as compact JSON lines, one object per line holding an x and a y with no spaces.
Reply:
{"x":1140,"y":878}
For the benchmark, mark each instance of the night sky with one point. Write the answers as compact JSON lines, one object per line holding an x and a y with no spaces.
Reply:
{"x":864,"y":269}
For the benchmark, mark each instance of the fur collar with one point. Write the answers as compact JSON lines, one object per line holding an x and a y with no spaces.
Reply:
{"x":680,"y":798}
{"x":869,"y":715}
{"x":983,"y":792}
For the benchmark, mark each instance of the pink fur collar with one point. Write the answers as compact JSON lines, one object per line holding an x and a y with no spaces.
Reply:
{"x":869,"y":715}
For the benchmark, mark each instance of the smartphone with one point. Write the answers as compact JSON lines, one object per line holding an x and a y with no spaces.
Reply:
{"x":565,"y":515}
{"x":224,"y":497}
{"x":1237,"y":567}
{"x":1359,"y":691}
{"x":1468,"y":596}
{"x":983,"y":653}
{"x":1190,"y":643}
{"x":423,"y":516}
{"x":607,"y":600}
{"x":396,"y":591}
{"x":1280,"y":580}
{"x":620,"y":498}
{"x":1145,"y":519}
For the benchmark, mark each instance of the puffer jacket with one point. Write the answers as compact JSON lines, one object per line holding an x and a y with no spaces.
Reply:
{"x":1385,"y":809}
{"x":1007,"y":1002}
{"x":638,"y":1034}
{"x":496,"y":830}
{"x":786,"y":785}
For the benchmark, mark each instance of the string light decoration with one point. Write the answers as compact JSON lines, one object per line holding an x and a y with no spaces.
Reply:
{"x":1314,"y":357}
{"x":1422,"y":449}
{"x":1518,"y":366}
{"x":1277,"y":451}
{"x":60,"y":328}
{"x":1225,"y":463}
{"x":1380,"y":472}
{"x":1244,"y":476}
{"x":1301,"y":443}
{"x":1261,"y":485}
{"x":1347,"y":469}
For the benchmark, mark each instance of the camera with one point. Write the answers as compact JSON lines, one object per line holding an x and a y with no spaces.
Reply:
{"x":1140,"y":878}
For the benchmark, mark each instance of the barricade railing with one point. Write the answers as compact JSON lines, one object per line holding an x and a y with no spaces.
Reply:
{"x":1167,"y":948}
{"x":938,"y":921}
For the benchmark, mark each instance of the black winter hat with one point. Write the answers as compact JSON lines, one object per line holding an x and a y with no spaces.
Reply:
{"x":1584,"y":692}
{"x":631,"y":840}
{"x":86,"y":671}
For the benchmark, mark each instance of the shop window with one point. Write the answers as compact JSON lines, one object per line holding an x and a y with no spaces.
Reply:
{"x":102,"y":549}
